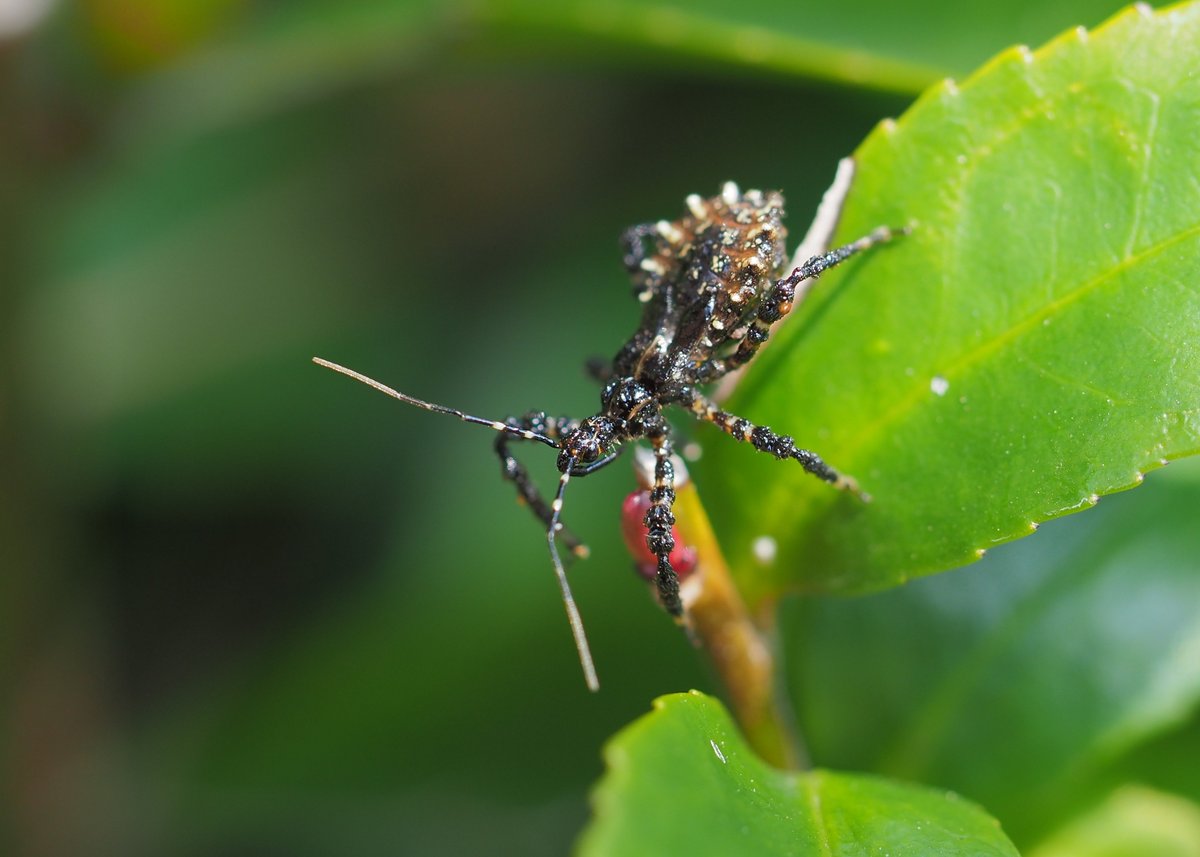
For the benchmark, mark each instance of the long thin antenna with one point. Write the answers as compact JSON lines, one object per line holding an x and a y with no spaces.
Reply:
{"x":581,"y":642}
{"x":495,"y":425}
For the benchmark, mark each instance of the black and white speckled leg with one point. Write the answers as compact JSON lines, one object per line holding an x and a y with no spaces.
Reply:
{"x":513,"y":471}
{"x":765,"y":440}
{"x":659,"y":520}
{"x":786,"y":294}
{"x":633,"y":245}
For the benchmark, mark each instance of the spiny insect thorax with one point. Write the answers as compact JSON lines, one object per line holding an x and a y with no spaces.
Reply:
{"x":732,"y":243}
{"x":701,"y":281}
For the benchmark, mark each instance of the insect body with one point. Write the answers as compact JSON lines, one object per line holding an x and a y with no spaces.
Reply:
{"x":712,"y":284}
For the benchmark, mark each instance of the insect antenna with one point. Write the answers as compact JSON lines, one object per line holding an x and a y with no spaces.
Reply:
{"x":495,"y":425}
{"x":581,"y":641}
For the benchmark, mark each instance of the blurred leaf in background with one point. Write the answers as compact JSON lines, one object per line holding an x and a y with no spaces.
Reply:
{"x":253,"y":608}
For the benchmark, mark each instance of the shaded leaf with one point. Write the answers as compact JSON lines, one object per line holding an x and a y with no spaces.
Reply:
{"x":1134,"y":822}
{"x":682,"y":781}
{"x":1033,"y":343}
{"x":306,"y":49}
{"x":1167,"y":762}
{"x":1021,"y":681}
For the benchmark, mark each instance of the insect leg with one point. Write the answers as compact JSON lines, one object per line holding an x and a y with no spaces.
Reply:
{"x":512,"y":470}
{"x":765,"y":440}
{"x":784,"y":296}
{"x":633,"y":245}
{"x":599,"y":369}
{"x":659,"y":521}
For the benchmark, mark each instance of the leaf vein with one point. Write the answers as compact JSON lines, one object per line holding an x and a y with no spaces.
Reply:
{"x":874,"y":430}
{"x":812,"y":793}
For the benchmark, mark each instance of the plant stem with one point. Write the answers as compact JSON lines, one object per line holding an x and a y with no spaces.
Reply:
{"x":742,"y":649}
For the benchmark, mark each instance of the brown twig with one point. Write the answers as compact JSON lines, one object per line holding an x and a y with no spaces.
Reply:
{"x":742,"y":649}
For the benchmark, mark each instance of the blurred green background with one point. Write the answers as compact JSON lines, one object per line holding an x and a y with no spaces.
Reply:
{"x":252,"y":607}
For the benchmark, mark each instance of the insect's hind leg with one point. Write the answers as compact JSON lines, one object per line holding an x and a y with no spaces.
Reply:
{"x":659,"y":521}
{"x":765,"y":440}
{"x":514,"y":471}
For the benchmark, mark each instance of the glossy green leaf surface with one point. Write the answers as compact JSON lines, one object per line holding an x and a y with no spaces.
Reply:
{"x":1023,"y":681}
{"x":687,"y":755}
{"x":1031,"y":345}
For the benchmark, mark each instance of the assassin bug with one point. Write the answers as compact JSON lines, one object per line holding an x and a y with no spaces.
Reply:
{"x":712,"y":284}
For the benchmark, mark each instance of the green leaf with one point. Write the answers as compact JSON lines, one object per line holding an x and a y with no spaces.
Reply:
{"x":1031,"y":345}
{"x":1134,"y":822}
{"x":1020,"y":682}
{"x":1167,"y":762}
{"x":304,"y":49}
{"x":682,"y":781}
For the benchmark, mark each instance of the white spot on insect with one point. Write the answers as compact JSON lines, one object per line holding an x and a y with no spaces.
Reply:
{"x":717,"y":750}
{"x":654,"y":266}
{"x":730,"y":193}
{"x":765,"y":548}
{"x":556,"y":506}
{"x":669,"y":231}
{"x":737,"y":297}
{"x":717,"y":324}
{"x":528,"y":435}
{"x":755,"y":263}
{"x":939,"y":385}
{"x":696,"y":206}
{"x":692,"y":451}
{"x":498,"y":426}
{"x":645,"y":295}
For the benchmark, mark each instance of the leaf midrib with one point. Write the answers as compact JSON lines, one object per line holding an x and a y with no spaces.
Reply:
{"x":873,"y":432}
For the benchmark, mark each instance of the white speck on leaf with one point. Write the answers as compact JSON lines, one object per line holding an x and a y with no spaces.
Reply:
{"x":717,"y":750}
{"x":765,"y":548}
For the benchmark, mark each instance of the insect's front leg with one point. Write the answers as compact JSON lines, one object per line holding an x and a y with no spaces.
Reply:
{"x":786,"y":294}
{"x":513,"y":471}
{"x":659,"y":520}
